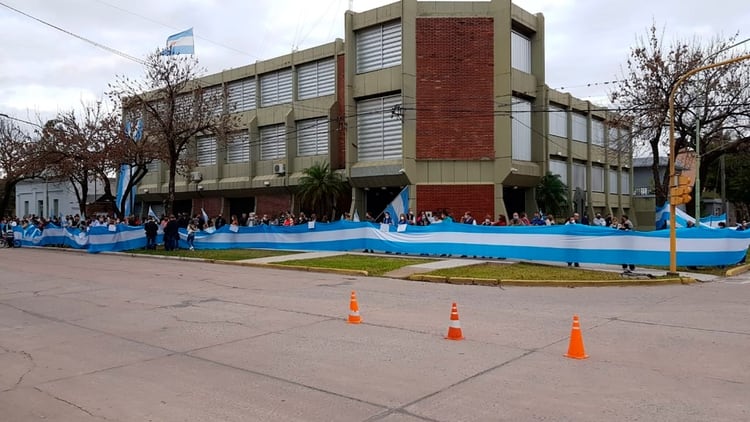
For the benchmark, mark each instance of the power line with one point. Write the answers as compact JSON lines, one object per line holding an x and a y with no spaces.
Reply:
{"x":130,"y":12}
{"x":84,"y":39}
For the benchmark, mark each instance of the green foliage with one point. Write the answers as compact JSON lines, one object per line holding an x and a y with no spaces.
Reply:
{"x":320,"y":189}
{"x":551,"y":195}
{"x":526,"y":271}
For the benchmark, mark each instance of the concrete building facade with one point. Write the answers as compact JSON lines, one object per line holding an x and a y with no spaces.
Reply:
{"x":448,"y":98}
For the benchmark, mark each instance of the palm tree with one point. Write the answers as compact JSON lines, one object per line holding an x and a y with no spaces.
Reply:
{"x":551,"y":194}
{"x":320,"y":188}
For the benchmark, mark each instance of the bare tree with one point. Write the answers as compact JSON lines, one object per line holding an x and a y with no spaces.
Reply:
{"x":18,"y":160}
{"x":710,"y":103}
{"x":174,"y":107}
{"x":82,"y":148}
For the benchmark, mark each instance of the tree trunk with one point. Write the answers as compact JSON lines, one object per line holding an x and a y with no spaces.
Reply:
{"x":169,"y":205}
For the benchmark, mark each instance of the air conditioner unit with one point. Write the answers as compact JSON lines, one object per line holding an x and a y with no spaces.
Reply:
{"x":279,"y":168}
{"x":196,"y":176}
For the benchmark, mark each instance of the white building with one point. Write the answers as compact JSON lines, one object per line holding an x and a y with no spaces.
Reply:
{"x":51,"y":197}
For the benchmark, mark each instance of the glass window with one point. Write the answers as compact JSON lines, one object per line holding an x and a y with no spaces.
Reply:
{"x":276,"y":88}
{"x":238,"y":148}
{"x":520,"y":47}
{"x":213,"y":100}
{"x":625,"y":183}
{"x":597,"y":132}
{"x":560,"y":168}
{"x":378,"y":47}
{"x":597,"y":179}
{"x":521,"y":129}
{"x":206,"y":148}
{"x":613,"y":186}
{"x":272,"y":142}
{"x":241,"y":95}
{"x":312,"y":137}
{"x":316,"y":79}
{"x":558,"y":122}
{"x":379,"y":129}
{"x":579,"y":176}
{"x":579,"y":127}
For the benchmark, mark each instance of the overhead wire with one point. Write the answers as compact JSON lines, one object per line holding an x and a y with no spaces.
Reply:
{"x":74,"y":35}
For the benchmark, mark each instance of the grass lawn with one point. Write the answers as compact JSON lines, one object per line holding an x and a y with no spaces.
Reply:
{"x":215,"y":254}
{"x":374,"y":265}
{"x":525,"y":271}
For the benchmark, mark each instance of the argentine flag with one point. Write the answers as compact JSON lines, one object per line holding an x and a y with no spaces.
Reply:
{"x":180,"y":43}
{"x":399,"y":204}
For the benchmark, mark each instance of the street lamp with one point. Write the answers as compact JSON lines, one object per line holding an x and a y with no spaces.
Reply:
{"x":672,"y":174}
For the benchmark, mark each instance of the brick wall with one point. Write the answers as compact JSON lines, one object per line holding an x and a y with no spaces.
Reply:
{"x":457,"y":199}
{"x":455,"y":106}
{"x":272,"y":204}
{"x":340,"y":128}
{"x":212,"y":206}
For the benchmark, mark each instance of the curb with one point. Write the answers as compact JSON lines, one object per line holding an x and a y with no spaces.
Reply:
{"x":548,"y":283}
{"x":737,"y":270}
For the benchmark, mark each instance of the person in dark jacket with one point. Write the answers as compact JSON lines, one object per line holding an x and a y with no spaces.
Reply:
{"x":171,"y":234}
{"x":151,"y":230}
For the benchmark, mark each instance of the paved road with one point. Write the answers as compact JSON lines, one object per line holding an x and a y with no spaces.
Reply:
{"x":115,"y":338}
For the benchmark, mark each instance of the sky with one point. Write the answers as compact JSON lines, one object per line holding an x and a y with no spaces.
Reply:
{"x":44,"y":70}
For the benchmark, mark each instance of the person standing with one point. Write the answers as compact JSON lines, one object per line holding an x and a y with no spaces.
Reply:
{"x":151,"y":229}
{"x":573,"y":220}
{"x":626,"y":225}
{"x":191,"y":229}
{"x":171,"y":234}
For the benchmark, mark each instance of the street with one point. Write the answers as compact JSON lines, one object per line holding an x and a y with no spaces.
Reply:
{"x":86,"y":337}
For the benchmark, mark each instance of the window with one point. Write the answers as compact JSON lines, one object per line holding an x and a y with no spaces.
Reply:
{"x":597,"y":132}
{"x":55,"y":207}
{"x":520,"y":47}
{"x":521,"y":129}
{"x":625,"y":183}
{"x":241,"y":95}
{"x":153,"y":166}
{"x":272,"y":142}
{"x":213,"y":100}
{"x":579,"y":127}
{"x":558,"y":122}
{"x":316,"y":79}
{"x":276,"y":87}
{"x":238,"y":148}
{"x":312,"y":137}
{"x":579,"y":176}
{"x":613,"y":182}
{"x":379,"y":132}
{"x":597,"y":179}
{"x":560,"y":168}
{"x":206,"y":149}
{"x":25,"y":208}
{"x":378,"y":47}
{"x":40,"y":208}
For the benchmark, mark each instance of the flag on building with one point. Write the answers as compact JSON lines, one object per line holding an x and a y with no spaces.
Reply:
{"x":126,"y":172}
{"x":399,"y":205}
{"x":180,"y":43}
{"x":152,"y":214}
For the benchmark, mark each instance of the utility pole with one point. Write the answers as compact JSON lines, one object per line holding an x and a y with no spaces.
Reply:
{"x":672,"y":174}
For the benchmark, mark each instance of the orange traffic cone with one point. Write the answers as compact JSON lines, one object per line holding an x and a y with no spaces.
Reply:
{"x":354,"y":317}
{"x":454,"y":330}
{"x":575,"y":349}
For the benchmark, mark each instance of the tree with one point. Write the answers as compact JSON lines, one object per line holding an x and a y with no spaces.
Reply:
{"x":551,"y":194}
{"x":18,"y":160}
{"x":83,"y":148}
{"x":174,"y":107}
{"x":320,"y":189}
{"x":719,"y":99}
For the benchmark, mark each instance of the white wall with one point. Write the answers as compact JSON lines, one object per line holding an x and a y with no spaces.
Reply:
{"x":29,"y":194}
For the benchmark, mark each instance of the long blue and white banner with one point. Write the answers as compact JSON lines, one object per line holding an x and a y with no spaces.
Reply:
{"x":564,"y":243}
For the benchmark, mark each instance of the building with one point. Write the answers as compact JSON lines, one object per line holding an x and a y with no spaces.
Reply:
{"x":51,"y":197}
{"x":448,"y":98}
